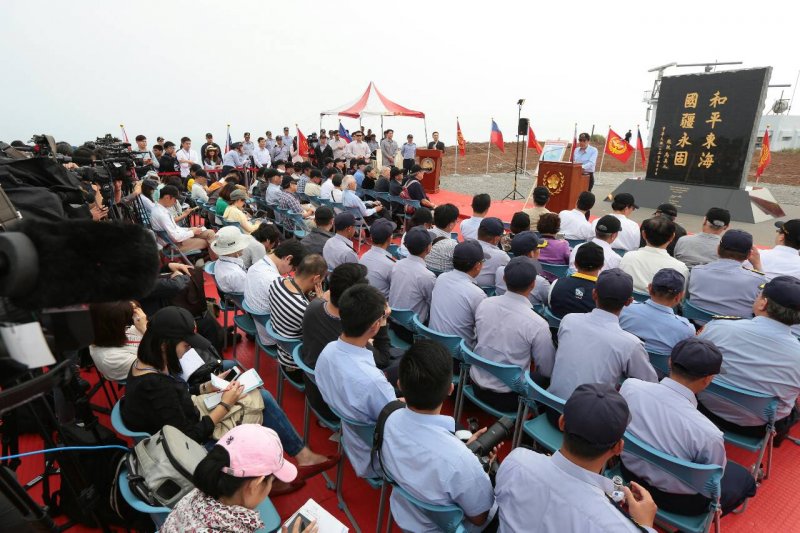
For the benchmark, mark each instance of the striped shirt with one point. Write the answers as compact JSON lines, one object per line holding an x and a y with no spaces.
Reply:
{"x":286,"y":315}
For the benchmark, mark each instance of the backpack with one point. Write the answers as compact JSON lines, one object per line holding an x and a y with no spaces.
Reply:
{"x":377,"y":436}
{"x":160,"y":467}
{"x":404,"y":194}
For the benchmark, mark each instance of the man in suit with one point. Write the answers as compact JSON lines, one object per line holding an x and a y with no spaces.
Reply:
{"x":322,"y":151}
{"x":436,"y":144}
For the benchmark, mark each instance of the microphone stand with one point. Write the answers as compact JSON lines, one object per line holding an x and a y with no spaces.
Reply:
{"x":514,"y":192}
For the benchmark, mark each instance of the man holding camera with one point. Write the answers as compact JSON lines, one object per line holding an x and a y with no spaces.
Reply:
{"x":421,"y":453}
{"x":566,"y":491}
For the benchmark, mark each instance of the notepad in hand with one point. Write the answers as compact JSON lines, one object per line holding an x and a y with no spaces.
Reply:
{"x":326,"y":522}
{"x":250,"y":380}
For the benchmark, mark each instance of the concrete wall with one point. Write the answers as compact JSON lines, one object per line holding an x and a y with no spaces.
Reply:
{"x":784,"y":132}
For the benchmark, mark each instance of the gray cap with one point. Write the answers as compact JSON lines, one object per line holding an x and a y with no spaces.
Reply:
{"x":697,"y":357}
{"x":520,"y":272}
{"x":670,"y":279}
{"x":493,"y":226}
{"x":597,"y":413}
{"x":614,"y":284}
{"x":525,"y":242}
{"x":344,"y":220}
{"x":382,"y":229}
{"x":417,"y":240}
{"x":469,"y":251}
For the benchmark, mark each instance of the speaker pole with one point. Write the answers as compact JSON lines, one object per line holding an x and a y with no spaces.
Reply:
{"x":514,"y":192}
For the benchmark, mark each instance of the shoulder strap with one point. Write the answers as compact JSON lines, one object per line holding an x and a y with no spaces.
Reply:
{"x":377,"y":436}
{"x":437,"y":239}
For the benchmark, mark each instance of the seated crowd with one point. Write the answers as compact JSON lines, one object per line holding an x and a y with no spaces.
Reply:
{"x":586,"y":336}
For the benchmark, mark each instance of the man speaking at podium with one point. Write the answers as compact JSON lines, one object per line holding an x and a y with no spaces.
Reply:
{"x":587,"y":156}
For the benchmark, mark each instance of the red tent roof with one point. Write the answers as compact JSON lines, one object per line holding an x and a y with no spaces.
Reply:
{"x":373,"y":102}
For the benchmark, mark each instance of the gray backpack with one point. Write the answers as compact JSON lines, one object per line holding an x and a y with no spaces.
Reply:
{"x":160,"y":467}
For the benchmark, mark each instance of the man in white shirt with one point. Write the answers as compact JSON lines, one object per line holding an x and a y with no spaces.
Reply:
{"x":338,"y":144}
{"x":574,"y":222}
{"x":357,"y":149}
{"x":261,"y":155}
{"x":606,"y":231}
{"x":628,"y":238}
{"x":200,"y":186}
{"x":783,"y":259}
{"x":186,"y":156}
{"x":186,"y":239}
{"x":480,"y":207}
{"x":277,"y":263}
{"x":248,"y":145}
{"x":147,"y":158}
{"x":229,"y":271}
{"x":643,"y":264}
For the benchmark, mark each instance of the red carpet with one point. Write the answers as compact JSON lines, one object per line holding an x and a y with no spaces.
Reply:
{"x":503,"y":210}
{"x":776,"y":507}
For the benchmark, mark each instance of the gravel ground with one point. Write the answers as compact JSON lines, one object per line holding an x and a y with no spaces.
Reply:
{"x":499,"y":185}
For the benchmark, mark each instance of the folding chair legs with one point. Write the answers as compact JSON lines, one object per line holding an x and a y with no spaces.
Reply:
{"x":518,"y":429}
{"x":462,"y":375}
{"x":306,"y":421}
{"x":340,"y":497}
{"x":770,"y":446}
{"x":382,"y":506}
{"x":225,"y":323}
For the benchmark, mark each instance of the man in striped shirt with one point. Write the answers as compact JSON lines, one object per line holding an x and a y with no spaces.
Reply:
{"x":288,"y":299}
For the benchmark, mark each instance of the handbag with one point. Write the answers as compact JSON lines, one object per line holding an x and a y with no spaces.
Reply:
{"x":249,"y":409}
{"x":404,"y":194}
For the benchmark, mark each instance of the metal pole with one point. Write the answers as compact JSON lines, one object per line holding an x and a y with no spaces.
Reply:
{"x":603,"y":157}
{"x":425,"y":124}
{"x":488,"y":151}
{"x":525,"y":166}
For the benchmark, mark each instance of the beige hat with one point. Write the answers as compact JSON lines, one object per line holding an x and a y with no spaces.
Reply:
{"x":229,"y":240}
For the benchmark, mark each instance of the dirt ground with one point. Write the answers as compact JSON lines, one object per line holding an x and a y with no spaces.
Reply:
{"x":784,"y":169}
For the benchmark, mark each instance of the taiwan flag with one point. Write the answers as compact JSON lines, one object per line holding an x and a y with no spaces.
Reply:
{"x":302,"y":143}
{"x":497,"y":137}
{"x":640,"y":147}
{"x":532,"y":142}
{"x":618,"y":147}
{"x":344,"y":135}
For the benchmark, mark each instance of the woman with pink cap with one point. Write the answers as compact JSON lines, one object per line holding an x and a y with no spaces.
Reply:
{"x":232,"y":481}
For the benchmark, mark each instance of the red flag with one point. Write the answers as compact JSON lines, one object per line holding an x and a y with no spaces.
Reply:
{"x":574,"y":144}
{"x":462,"y":144}
{"x":124,"y":135}
{"x":766,"y":155}
{"x":618,"y":147}
{"x":640,"y":147}
{"x":497,"y":137}
{"x":302,"y":143}
{"x":532,"y":142}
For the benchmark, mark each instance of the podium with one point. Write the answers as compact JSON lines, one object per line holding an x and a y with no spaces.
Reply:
{"x":565,"y":182}
{"x":431,"y":163}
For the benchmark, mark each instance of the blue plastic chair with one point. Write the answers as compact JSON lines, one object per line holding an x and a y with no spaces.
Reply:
{"x":448,"y":518}
{"x":257,"y":318}
{"x":490,"y":291}
{"x":394,"y":249}
{"x":157,"y":514}
{"x":300,"y":228}
{"x":659,"y":361}
{"x":364,"y":432}
{"x":620,"y":253}
{"x":436,"y":273}
{"x":288,"y":345}
{"x":692,"y":312}
{"x":558,"y":271}
{"x":552,"y":320}
{"x":575,"y":242}
{"x":404,"y":318}
{"x":453,"y":345}
{"x":228,"y":301}
{"x":703,"y":478}
{"x":171,"y":251}
{"x":119,"y":425}
{"x":763,"y":406}
{"x":539,"y":428}
{"x":640,"y":296}
{"x":512,"y":377}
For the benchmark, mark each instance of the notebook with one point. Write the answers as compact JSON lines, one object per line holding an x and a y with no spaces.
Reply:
{"x":250,"y":379}
{"x":326,"y":521}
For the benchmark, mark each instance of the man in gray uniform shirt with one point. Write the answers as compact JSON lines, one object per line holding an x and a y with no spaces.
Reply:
{"x":701,"y":248}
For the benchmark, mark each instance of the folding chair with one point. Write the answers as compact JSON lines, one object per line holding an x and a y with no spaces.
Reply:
{"x":226,"y":303}
{"x":763,"y":406}
{"x":299,"y":227}
{"x":448,"y":518}
{"x":640,"y":296}
{"x":575,"y":242}
{"x":171,"y":251}
{"x":119,"y":425}
{"x":692,"y":312}
{"x":453,"y":345}
{"x":539,"y":428}
{"x":659,"y":361}
{"x":365,"y":433}
{"x":552,"y":320}
{"x":512,"y":377}
{"x":705,"y":479}
{"x":490,"y":291}
{"x":558,"y":271}
{"x":288,"y":345}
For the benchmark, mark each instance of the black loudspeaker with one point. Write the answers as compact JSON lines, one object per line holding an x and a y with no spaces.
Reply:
{"x":522,"y":127}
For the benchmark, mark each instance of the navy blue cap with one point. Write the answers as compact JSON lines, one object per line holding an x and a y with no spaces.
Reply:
{"x":597,"y":413}
{"x":670,"y":279}
{"x":785,"y":291}
{"x":492,"y":225}
{"x":382,"y":229}
{"x":344,"y":220}
{"x":520,"y":272}
{"x":614,"y":284}
{"x":697,"y":357}
{"x":469,"y":251}
{"x":737,"y":240}
{"x":417,"y":240}
{"x":609,"y":224}
{"x":525,"y":242}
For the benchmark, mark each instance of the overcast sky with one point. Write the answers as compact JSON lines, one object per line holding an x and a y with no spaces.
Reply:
{"x":78,"y":69}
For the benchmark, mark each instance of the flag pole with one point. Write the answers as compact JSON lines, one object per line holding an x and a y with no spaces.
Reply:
{"x":525,"y":164}
{"x":488,"y":151}
{"x":603,"y":157}
{"x":455,"y":171}
{"x":635,"y":155}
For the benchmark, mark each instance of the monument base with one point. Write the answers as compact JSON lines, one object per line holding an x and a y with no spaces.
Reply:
{"x":752,"y":204}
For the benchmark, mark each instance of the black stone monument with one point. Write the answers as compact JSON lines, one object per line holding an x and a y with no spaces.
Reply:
{"x":703,"y":138}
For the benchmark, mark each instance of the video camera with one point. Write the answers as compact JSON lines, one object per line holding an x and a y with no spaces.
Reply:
{"x":483,"y":445}
{"x":43,"y":146}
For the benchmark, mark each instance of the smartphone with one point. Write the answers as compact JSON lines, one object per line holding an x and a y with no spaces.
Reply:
{"x":304,"y":522}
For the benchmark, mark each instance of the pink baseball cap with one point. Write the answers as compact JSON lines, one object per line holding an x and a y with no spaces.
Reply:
{"x":256,"y":451}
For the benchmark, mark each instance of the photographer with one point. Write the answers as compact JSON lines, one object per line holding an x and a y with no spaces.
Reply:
{"x":420,"y":452}
{"x":567,"y":491}
{"x":168,"y":162}
{"x":148,"y":160}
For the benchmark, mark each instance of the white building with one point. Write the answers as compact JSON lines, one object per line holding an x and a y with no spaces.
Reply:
{"x":784,"y":132}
